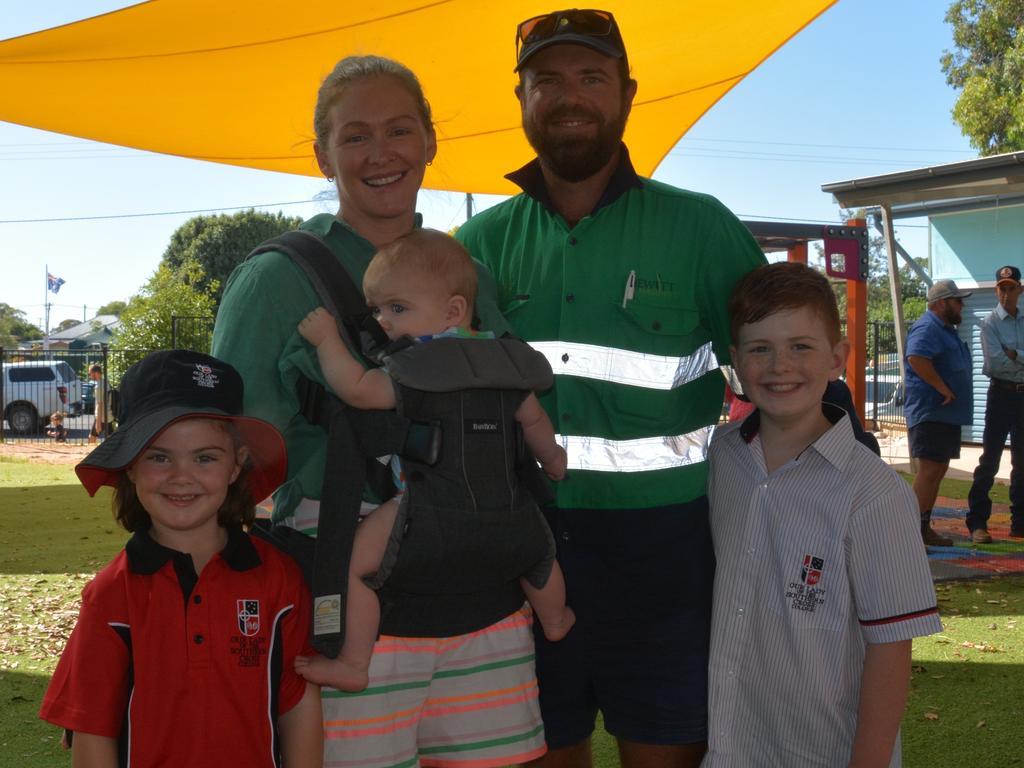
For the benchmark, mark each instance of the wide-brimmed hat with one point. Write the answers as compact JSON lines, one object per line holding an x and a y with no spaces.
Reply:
{"x":177,"y":384}
{"x":590,"y":27}
{"x":946,"y":289}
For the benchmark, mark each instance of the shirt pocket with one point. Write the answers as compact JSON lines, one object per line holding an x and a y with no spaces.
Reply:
{"x":810,"y":590}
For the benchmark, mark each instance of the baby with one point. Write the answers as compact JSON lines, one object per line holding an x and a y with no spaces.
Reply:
{"x":423,"y":286}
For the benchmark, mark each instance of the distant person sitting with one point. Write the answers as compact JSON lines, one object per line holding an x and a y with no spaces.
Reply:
{"x":1002,"y":344}
{"x":57,"y":430}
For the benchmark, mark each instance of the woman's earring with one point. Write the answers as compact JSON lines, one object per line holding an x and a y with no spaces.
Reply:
{"x":430,"y":162}
{"x":330,"y":179}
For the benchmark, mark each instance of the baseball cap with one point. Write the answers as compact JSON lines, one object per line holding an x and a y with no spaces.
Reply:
{"x":1008,"y":274}
{"x":590,"y":27}
{"x":946,"y":289}
{"x":168,"y":386}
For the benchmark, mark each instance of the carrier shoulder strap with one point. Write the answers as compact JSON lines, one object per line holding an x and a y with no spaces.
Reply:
{"x":331,"y":281}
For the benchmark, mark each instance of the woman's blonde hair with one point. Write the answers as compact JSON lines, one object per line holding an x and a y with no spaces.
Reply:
{"x":352,"y":69}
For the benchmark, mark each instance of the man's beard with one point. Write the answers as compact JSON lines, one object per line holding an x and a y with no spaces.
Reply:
{"x":573,"y":158}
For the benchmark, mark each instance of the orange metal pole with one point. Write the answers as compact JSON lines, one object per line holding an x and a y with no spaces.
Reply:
{"x":797,"y":252}
{"x":857,"y":334}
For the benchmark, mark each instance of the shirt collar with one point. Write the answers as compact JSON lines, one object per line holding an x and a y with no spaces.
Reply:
{"x":834,"y":446}
{"x":146,"y":556}
{"x":1002,"y":314}
{"x":530,"y":178}
{"x":323,"y":223}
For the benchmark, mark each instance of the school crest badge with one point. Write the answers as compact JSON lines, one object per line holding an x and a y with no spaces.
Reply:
{"x":248,"y":617}
{"x":810,"y":573}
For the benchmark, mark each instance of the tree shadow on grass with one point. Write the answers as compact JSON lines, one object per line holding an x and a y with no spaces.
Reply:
{"x":25,"y":740}
{"x":57,"y":529}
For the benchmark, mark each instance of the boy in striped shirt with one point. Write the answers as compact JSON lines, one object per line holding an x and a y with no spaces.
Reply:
{"x":821,"y":582}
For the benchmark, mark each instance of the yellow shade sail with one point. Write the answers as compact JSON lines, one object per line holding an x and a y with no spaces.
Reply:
{"x":234,"y":81}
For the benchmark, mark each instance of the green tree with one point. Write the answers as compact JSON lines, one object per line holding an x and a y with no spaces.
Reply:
{"x":219,"y":243}
{"x":65,"y":324}
{"x":14,"y":328}
{"x":146,"y":320}
{"x":113,"y":308}
{"x":987,"y":67}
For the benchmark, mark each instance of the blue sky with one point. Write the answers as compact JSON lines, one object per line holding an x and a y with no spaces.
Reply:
{"x":858,"y":93}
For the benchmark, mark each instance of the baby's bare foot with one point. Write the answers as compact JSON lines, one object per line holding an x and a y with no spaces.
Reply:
{"x":340,"y":673}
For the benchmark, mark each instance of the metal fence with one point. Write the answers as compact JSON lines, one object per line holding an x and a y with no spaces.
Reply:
{"x":883,"y":401}
{"x":192,"y":332}
{"x":47,"y":396}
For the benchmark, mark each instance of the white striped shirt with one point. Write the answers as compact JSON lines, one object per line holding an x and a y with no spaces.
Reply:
{"x":813,"y":562}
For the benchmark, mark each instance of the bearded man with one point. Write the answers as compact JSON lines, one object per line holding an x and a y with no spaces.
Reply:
{"x":622,"y":282}
{"x":939,"y":396}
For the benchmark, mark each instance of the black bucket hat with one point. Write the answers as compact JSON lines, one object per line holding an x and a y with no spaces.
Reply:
{"x":177,"y":384}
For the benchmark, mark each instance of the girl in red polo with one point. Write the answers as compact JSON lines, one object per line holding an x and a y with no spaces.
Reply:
{"x":184,"y":647}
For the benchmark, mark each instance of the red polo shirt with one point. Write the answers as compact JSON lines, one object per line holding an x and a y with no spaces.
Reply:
{"x":186,"y":670}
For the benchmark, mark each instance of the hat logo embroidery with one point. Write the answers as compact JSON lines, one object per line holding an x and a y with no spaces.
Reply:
{"x":204,"y":376}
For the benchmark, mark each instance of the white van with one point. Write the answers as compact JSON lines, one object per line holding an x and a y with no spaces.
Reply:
{"x":34,"y":389}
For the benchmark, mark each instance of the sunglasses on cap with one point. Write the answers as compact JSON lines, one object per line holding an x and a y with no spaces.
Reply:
{"x":583,"y":22}
{"x":590,"y":27}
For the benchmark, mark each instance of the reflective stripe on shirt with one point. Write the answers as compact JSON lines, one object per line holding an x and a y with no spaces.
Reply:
{"x":642,"y":455}
{"x":623,"y":366}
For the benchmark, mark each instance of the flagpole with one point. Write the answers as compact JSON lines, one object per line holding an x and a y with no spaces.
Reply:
{"x":46,"y":306}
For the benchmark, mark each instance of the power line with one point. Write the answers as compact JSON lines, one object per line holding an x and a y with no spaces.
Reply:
{"x":154,"y":213}
{"x":827,"y":146}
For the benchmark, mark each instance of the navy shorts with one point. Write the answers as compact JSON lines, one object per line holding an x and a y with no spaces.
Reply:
{"x":640,"y":582}
{"x":935,"y":441}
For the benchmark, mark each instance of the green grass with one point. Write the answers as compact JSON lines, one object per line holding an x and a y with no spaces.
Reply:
{"x":965,"y":708}
{"x":55,"y":537}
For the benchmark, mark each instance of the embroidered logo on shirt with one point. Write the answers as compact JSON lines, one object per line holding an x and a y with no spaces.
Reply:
{"x":204,"y":376}
{"x":248,"y":616}
{"x":811,"y":571}
{"x":807,"y":594}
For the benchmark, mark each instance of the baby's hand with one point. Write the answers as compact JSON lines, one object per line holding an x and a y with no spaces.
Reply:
{"x":554,"y":466}
{"x":318,"y":326}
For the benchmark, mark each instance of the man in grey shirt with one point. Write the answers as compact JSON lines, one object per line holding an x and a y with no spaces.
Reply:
{"x":1002,"y":343}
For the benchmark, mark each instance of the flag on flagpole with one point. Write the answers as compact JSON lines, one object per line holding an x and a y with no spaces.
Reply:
{"x":53,"y":283}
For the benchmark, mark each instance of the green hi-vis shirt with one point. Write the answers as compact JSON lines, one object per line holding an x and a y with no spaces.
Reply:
{"x":257,"y":332}
{"x":630,"y":308}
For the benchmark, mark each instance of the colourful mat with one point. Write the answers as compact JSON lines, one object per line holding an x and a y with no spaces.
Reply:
{"x":966,"y":560}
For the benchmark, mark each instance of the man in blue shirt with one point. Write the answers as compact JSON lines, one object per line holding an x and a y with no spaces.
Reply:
{"x":938,"y":373}
{"x":1002,"y":343}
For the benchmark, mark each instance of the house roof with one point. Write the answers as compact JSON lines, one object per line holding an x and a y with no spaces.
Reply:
{"x":101,"y":326}
{"x":984,"y":182}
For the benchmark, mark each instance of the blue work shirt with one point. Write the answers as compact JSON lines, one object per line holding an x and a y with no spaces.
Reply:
{"x":931,"y":338}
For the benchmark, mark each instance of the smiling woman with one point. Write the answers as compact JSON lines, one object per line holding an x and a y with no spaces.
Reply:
{"x":375,"y":138}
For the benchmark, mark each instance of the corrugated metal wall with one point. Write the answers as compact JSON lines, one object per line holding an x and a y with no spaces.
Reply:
{"x":976,"y":308}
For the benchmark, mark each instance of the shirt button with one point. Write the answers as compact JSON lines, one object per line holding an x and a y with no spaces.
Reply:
{"x":750,"y":551}
{"x":656,"y":325}
{"x":571,"y":298}
{"x":565,"y":357}
{"x":197,"y":599}
{"x":198,"y":639}
{"x":566,"y":417}
{"x":740,"y":611}
{"x":572,"y":241}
